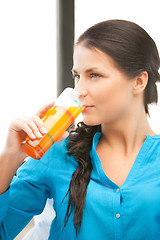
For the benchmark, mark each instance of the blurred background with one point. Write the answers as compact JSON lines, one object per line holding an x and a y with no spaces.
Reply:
{"x":36,"y":39}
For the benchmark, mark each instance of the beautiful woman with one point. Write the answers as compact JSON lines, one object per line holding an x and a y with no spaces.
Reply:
{"x":105,"y":176}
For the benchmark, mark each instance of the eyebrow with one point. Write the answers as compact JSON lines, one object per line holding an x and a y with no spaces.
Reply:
{"x":88,"y":70}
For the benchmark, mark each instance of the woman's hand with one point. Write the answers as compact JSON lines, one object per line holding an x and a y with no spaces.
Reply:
{"x":33,"y":126}
{"x":12,"y":156}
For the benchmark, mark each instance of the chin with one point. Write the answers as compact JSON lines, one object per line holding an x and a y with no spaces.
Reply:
{"x":90,"y":122}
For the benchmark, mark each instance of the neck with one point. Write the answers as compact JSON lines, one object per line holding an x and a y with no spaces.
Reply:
{"x":126,"y":135}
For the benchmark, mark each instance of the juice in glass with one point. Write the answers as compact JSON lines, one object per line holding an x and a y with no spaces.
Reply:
{"x":57,"y":120}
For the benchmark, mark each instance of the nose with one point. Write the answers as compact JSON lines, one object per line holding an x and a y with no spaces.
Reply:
{"x":81,"y":88}
{"x":83,"y":93}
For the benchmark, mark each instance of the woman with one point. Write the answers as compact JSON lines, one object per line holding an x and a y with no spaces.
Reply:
{"x":105,"y":176}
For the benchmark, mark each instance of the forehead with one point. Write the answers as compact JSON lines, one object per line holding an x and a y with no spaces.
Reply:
{"x":81,"y":50}
{"x":84,"y":57}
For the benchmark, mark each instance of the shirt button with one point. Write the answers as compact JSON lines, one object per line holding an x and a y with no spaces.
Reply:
{"x":117,"y":190}
{"x":117,"y":215}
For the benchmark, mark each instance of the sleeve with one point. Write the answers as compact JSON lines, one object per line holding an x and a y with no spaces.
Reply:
{"x":4,"y":198}
{"x":26,"y":197}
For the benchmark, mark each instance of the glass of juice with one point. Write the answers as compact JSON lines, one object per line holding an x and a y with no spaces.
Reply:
{"x":57,"y":119}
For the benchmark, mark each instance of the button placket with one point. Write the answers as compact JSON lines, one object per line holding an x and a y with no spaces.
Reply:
{"x":117,"y":214}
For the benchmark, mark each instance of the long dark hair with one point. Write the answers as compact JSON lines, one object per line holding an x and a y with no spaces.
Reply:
{"x":134,"y":51}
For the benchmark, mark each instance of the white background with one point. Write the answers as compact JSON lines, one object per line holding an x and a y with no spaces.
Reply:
{"x":27,"y":58}
{"x":28,"y":49}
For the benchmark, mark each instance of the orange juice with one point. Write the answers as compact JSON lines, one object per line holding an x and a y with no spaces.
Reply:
{"x":57,"y":120}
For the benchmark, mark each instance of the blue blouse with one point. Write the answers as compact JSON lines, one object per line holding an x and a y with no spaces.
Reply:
{"x":129,"y":212}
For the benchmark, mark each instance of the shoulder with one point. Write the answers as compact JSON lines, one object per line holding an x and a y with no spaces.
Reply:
{"x":155,"y":140}
{"x":153,"y":146}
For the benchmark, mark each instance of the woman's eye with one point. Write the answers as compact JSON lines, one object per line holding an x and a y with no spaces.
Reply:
{"x":76,"y":78}
{"x":95,"y":75}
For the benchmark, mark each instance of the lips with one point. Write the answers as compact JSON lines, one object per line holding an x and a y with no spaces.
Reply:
{"x":87,"y":107}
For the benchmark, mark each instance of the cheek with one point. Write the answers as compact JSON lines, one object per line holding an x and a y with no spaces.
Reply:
{"x":111,"y":102}
{"x":115,"y":102}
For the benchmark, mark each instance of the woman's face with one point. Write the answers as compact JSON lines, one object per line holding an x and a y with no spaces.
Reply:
{"x":105,"y":90}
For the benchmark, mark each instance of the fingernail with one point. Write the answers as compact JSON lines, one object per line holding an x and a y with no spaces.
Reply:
{"x":39,"y":135}
{"x":44,"y":130}
{"x":32,"y":136}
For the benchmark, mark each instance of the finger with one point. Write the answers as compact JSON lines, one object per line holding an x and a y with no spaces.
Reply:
{"x":19,"y":125}
{"x":44,"y":109}
{"x":40,"y":124}
{"x":33,"y":125}
{"x":27,"y":125}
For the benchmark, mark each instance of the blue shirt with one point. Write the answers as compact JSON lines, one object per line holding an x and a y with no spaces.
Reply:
{"x":129,"y":212}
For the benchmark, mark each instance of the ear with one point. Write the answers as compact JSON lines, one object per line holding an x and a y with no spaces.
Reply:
{"x":140,"y":82}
